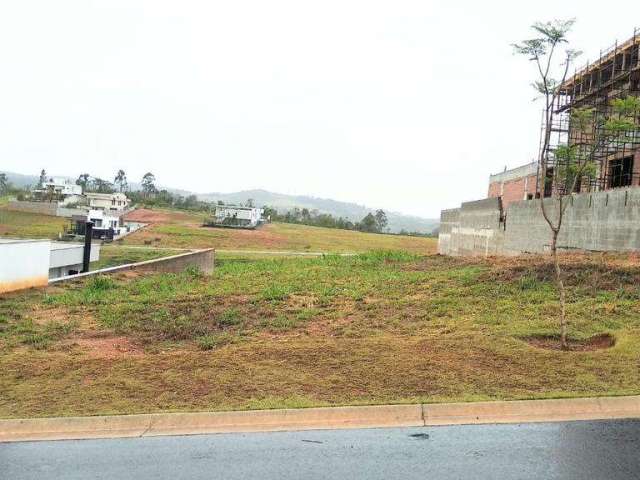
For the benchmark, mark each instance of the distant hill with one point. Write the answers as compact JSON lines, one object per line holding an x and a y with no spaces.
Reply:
{"x":283,"y":202}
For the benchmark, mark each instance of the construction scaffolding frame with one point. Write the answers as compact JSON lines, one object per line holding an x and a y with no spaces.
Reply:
{"x":615,"y":75}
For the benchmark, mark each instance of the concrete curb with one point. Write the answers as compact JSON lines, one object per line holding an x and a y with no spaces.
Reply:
{"x":319,"y":418}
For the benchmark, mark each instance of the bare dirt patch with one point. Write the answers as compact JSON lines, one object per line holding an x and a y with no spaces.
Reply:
{"x":597,"y":342}
{"x":108,"y":347}
{"x":145,"y":215}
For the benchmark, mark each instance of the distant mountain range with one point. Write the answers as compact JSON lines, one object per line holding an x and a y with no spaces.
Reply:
{"x":283,"y":202}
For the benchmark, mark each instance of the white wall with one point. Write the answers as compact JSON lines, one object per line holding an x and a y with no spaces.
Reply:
{"x":68,"y":256}
{"x":23,"y":264}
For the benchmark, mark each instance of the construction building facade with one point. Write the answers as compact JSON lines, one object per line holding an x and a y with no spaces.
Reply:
{"x":604,"y":211}
{"x":614,"y":75}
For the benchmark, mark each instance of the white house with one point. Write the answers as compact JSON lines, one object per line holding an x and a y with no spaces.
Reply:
{"x":107,"y":224}
{"x":31,"y":263}
{"x":63,"y":190}
{"x":238,"y":216}
{"x":62,"y":186}
{"x":107,"y":201}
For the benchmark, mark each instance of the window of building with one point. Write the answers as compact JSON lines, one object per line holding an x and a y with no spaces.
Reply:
{"x":620,"y":172}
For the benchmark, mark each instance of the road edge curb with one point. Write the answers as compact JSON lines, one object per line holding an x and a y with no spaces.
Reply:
{"x":378,"y":416}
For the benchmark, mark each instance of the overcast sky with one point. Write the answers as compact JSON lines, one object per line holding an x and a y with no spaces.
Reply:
{"x":406,"y":105}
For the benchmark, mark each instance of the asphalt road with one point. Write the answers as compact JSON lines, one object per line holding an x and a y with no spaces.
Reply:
{"x":578,"y":450}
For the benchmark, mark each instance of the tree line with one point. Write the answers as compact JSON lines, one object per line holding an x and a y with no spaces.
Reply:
{"x":372,"y":222}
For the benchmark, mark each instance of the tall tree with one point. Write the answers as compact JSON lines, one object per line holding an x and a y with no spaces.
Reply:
{"x":4,"y":183}
{"x":368,"y":224}
{"x":83,"y":181}
{"x":148,"y":183}
{"x":381,"y":220}
{"x":121,"y":180}
{"x":102,"y":186}
{"x":42,"y":179}
{"x":563,"y":167}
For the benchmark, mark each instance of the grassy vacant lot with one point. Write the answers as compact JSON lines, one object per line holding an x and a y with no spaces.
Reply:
{"x":112,"y":255}
{"x":170,"y":228}
{"x":30,"y":225}
{"x":381,"y":327}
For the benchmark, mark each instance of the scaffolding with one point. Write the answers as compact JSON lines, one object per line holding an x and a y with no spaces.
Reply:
{"x":615,"y":75}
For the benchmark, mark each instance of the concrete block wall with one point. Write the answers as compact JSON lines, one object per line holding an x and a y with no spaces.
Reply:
{"x":600,"y":221}
{"x":473,"y":229}
{"x":449,"y":220}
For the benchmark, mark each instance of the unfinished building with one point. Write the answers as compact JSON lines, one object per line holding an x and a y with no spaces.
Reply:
{"x":614,"y":75}
{"x":604,"y":213}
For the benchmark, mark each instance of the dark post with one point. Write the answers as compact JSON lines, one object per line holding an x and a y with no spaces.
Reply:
{"x":88,"y":233}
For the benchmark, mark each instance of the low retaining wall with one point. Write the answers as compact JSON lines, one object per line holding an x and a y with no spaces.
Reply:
{"x":202,"y":259}
{"x":600,"y":221}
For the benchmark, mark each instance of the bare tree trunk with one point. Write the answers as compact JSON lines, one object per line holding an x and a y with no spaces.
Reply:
{"x":561,"y":290}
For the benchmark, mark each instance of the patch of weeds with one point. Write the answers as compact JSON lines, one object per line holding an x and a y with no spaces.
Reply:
{"x":194,"y":271}
{"x":382,"y":256}
{"x":37,"y":340}
{"x":528,"y":282}
{"x":59,"y":329}
{"x":326,"y":295}
{"x":275,"y":292}
{"x":281,"y":323}
{"x":230,"y":317}
{"x":307,"y":314}
{"x":99,"y":283}
{"x":215,"y":340}
{"x":172,"y":327}
{"x":41,"y":337}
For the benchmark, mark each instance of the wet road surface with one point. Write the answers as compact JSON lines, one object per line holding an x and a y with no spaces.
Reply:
{"x":573,"y":450}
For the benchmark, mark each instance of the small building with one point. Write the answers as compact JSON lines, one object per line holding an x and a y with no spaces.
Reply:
{"x":236,"y":217}
{"x":117,"y":201}
{"x":519,"y":183}
{"x":31,"y":263}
